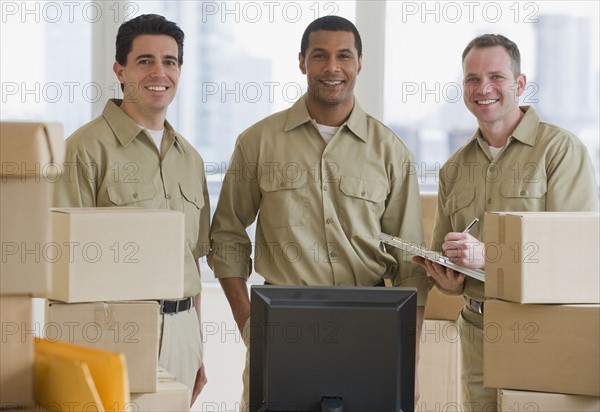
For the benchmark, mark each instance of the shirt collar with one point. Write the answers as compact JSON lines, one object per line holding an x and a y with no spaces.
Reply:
{"x":126,"y":130}
{"x":525,"y":132}
{"x":356,"y":123}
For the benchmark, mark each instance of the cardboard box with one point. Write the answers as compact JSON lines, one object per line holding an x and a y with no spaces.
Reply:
{"x":170,"y":396}
{"x":27,"y":249}
{"x":439,"y":367}
{"x":429,"y":208}
{"x":543,"y":257}
{"x":31,"y":159}
{"x":131,"y":328}
{"x":31,"y":149}
{"x":16,"y":352}
{"x":443,"y":307}
{"x":510,"y":401}
{"x":117,"y":254}
{"x":547,"y":348}
{"x":439,"y":305}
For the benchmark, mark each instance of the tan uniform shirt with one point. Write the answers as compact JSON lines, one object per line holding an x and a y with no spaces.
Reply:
{"x":111,"y":161}
{"x":320,"y":206}
{"x":542,"y":168}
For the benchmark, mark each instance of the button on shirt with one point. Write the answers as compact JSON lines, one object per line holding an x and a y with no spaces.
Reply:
{"x":111,"y":161}
{"x":542,"y":168}
{"x":320,"y":206}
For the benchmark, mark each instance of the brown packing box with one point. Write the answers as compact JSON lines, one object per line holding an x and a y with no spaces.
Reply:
{"x":547,"y":348}
{"x":16,"y":352}
{"x":439,"y":305}
{"x":443,"y":307}
{"x":131,"y":328}
{"x":170,"y":396}
{"x":31,"y":156}
{"x":31,"y":148}
{"x":429,"y":207}
{"x":439,"y":366}
{"x":117,"y":254}
{"x":511,"y":401}
{"x":543,"y":257}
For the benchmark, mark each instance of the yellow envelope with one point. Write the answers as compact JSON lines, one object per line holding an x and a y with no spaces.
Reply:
{"x":80,"y":376}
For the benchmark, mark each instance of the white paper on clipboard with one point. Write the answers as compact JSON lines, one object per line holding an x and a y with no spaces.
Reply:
{"x":418,"y":250}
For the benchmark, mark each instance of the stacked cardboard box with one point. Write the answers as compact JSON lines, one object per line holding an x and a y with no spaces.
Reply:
{"x":106,"y":283}
{"x":542,"y":325}
{"x":440,"y":306}
{"x":75,"y":256}
{"x":440,"y":361}
{"x":128,"y":327}
{"x":117,"y":253}
{"x":31,"y":155}
{"x":509,"y":400}
{"x":16,"y":352}
{"x":170,"y":396}
{"x":439,"y":366}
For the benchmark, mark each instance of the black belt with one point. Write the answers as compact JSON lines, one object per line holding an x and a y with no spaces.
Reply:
{"x":475,"y":305}
{"x":171,"y":307}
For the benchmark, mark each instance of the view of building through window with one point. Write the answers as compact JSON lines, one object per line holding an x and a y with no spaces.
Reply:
{"x":559,"y":47}
{"x":241,"y":64}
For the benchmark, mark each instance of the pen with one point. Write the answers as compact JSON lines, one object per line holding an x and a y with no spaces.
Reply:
{"x":473,"y":223}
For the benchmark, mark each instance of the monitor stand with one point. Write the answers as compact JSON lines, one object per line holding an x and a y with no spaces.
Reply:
{"x":329,"y":404}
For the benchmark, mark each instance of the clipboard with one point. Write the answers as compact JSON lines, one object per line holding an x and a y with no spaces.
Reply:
{"x":418,"y":250}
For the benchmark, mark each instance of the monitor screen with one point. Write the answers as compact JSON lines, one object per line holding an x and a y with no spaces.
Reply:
{"x":341,"y":349}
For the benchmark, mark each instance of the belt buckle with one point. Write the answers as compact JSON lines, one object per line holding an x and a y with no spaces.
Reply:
{"x":476,"y":305}
{"x":162,"y":306}
{"x":178,"y":305}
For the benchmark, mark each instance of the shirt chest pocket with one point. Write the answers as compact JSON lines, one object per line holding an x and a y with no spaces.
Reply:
{"x":191,"y":196}
{"x":459,"y":200}
{"x":524,"y":195}
{"x":522,"y":190}
{"x":284,"y":201}
{"x":123,"y":194}
{"x":192,"y":203}
{"x":360,"y":192}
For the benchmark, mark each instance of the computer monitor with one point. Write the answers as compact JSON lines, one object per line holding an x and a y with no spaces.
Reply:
{"x":341,"y":349}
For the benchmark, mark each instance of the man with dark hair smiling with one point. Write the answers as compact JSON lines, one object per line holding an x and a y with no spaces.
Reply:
{"x":513,"y":162}
{"x":141,"y":161}
{"x":325,"y":179}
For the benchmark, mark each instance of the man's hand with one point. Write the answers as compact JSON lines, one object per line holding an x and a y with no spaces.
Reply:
{"x":199,"y":384}
{"x":464,"y":250}
{"x":446,"y":279}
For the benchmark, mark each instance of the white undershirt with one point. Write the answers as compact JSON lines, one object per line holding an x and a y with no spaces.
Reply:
{"x":495,"y":150}
{"x":327,"y":132}
{"x":156,"y":136}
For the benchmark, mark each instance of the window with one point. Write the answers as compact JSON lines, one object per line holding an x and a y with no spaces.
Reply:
{"x":240,"y":65}
{"x":558,"y":41}
{"x":46,"y":60}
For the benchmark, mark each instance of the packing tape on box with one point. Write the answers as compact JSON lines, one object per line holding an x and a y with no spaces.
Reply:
{"x":104,"y":316}
{"x":502,"y":229}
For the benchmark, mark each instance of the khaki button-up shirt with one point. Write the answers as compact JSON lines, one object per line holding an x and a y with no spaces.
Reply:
{"x":542,"y":168}
{"x":320,"y":206}
{"x":111,"y":161}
